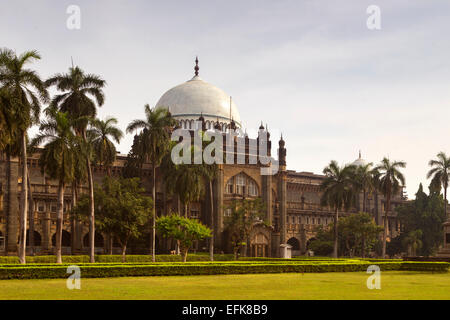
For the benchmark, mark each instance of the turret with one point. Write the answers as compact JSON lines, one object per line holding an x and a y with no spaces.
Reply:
{"x":282,"y":154}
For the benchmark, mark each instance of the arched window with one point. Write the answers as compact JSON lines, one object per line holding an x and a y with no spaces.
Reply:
{"x":243,"y":185}
{"x":240,"y":184}
{"x":252,"y":188}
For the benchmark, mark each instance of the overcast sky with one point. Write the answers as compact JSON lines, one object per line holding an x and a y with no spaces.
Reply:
{"x":311,"y":69}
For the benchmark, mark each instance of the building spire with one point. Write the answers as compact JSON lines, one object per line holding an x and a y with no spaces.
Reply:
{"x":359,"y":154}
{"x":196,"y":66}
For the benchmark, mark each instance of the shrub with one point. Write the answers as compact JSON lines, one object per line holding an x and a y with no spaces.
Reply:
{"x":207,"y":268}
{"x":115,"y":258}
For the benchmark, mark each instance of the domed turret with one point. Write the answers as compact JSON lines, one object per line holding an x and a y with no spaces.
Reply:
{"x":195,"y":97}
{"x":359,"y":162}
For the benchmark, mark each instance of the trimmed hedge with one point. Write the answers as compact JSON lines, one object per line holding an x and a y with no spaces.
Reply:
{"x":178,"y":269}
{"x":115,"y":258}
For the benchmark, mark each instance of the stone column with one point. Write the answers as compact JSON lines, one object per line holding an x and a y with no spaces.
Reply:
{"x":283,"y":210}
{"x":46,"y":229}
{"x":13,"y":208}
{"x":267,"y":197}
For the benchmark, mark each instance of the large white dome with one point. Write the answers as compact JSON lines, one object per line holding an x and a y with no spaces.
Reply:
{"x":196,"y":97}
{"x":360,"y":162}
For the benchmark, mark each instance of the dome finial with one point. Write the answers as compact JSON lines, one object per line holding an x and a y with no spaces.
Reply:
{"x":360,"y":154}
{"x":196,"y":66}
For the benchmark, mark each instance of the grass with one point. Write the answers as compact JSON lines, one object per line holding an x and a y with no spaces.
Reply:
{"x":394,"y":285}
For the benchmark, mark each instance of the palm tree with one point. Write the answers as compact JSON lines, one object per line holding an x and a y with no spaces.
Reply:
{"x":364,"y":181}
{"x":338,"y":192}
{"x":10,"y":143}
{"x":26,"y":90}
{"x":390,"y":180}
{"x":440,"y":174}
{"x":155,"y":144}
{"x":79,"y":90}
{"x":58,"y":161}
{"x":209,"y":172}
{"x":99,"y":135}
{"x":189,"y":184}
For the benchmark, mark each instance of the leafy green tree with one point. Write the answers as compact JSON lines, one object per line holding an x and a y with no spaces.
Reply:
{"x":413,"y":241}
{"x":57,"y":161}
{"x":26,"y":90}
{"x":339,"y":192}
{"x":79,"y":97}
{"x":100,"y":135}
{"x":390,"y":180}
{"x":424,"y":213}
{"x":323,"y":243}
{"x":121,"y":209}
{"x":244,"y":214}
{"x":358,"y":233}
{"x":184,"y":230}
{"x":154,"y":144}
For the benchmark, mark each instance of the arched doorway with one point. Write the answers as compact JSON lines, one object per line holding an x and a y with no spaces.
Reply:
{"x":295,"y":244}
{"x":98,"y":240}
{"x":65,"y":240}
{"x":259,"y":245}
{"x":2,"y":242}
{"x":36,"y":236}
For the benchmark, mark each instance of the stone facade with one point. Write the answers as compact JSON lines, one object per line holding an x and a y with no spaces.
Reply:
{"x":292,"y":201}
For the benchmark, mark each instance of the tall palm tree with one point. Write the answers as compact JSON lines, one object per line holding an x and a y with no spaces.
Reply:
{"x":390,"y":180}
{"x":10,"y":143}
{"x":101,"y":134}
{"x":58,"y":161}
{"x":26,"y":90}
{"x":81,"y":93}
{"x":156,"y":126}
{"x":209,"y":172}
{"x":440,"y":173}
{"x":364,"y":181}
{"x":338,"y":192}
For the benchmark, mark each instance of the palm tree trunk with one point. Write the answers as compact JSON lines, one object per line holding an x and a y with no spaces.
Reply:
{"x":124,"y":252}
{"x":8,"y":198}
{"x":24,"y":208}
{"x":73,"y":222}
{"x":31,"y":214}
{"x":59,"y":221}
{"x":363,"y":253}
{"x":154,"y":211}
{"x":388,"y":204}
{"x":335,"y":247}
{"x":211,"y":240}
{"x":364,"y":200}
{"x":445,"y":202}
{"x":91,"y":213}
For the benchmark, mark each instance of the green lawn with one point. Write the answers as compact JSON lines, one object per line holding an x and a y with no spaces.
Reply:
{"x":351,"y":285}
